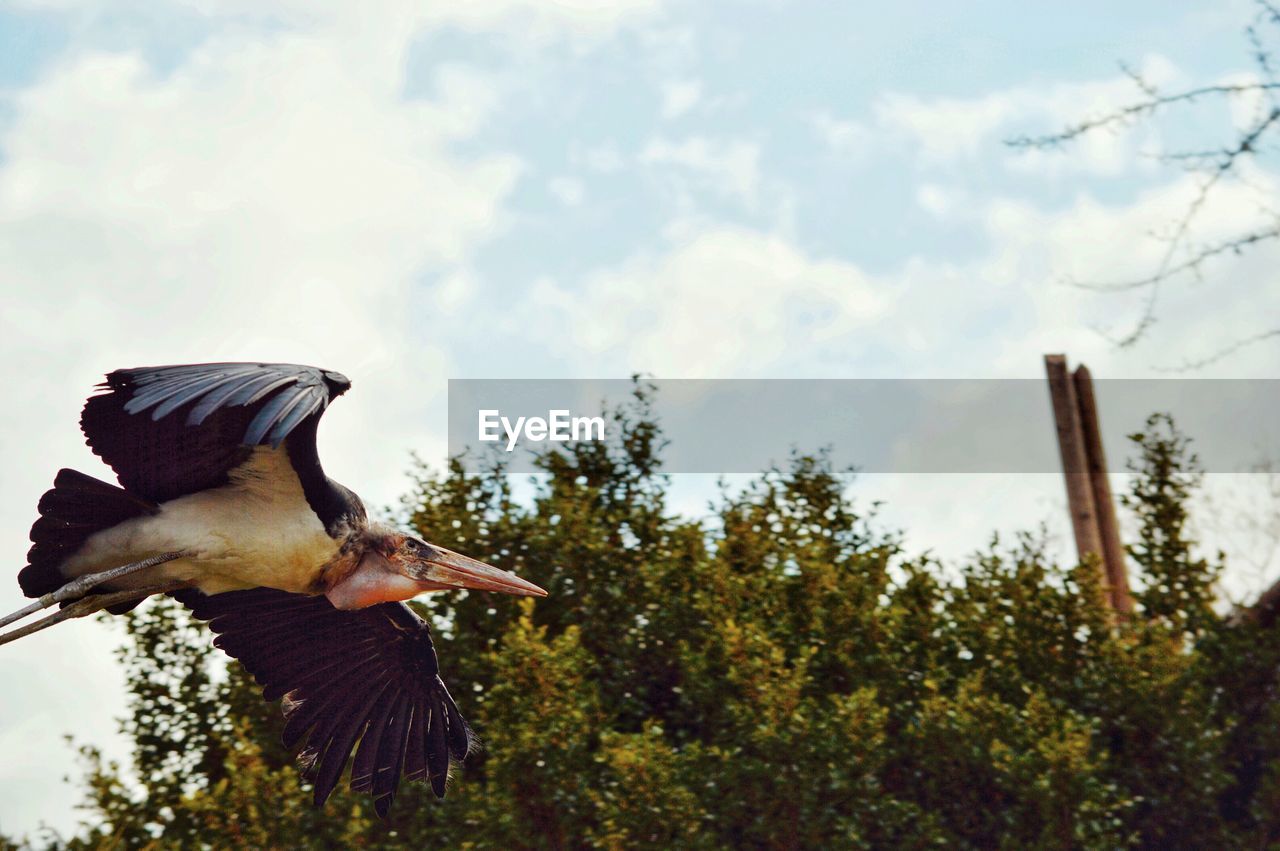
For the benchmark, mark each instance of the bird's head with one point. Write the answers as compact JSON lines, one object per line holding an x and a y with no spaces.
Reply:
{"x":383,"y":564}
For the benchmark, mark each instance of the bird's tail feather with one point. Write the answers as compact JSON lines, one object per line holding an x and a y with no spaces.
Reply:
{"x":76,"y":507}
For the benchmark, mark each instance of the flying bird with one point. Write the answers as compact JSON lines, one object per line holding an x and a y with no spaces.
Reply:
{"x":223,"y":504}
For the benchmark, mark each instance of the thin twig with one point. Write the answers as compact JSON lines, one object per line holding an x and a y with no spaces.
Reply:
{"x":1127,"y":113}
{"x":1190,"y":365}
{"x":1181,"y":255}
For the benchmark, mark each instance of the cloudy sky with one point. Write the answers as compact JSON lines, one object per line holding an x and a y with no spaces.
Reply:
{"x":573,"y":188}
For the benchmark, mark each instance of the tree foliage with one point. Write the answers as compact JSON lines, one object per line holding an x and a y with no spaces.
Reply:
{"x":779,"y":675}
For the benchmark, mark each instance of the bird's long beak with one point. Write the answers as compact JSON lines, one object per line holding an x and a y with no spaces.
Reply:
{"x":448,"y":569}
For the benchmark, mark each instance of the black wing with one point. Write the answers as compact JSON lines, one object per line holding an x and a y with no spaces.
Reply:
{"x":367,"y":676}
{"x":174,"y":430}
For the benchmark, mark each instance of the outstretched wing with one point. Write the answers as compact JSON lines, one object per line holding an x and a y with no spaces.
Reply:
{"x":174,"y":430}
{"x":366,"y":680}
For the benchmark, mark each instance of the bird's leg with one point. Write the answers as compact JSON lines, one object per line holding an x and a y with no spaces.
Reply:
{"x":77,"y":588}
{"x":89,"y":605}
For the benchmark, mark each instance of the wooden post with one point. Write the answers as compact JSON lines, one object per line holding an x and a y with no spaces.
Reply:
{"x":1263,"y":611}
{"x":1075,"y":466}
{"x":1104,"y":506}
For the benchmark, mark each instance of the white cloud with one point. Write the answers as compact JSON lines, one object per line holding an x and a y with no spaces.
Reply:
{"x":728,"y":166}
{"x":935,"y":199}
{"x":721,"y":302}
{"x":454,"y":291}
{"x":680,"y":96}
{"x":602,"y":159}
{"x":949,"y":131}
{"x":848,"y":140}
{"x":728,"y":302}
{"x":946,"y":131}
{"x":568,"y":190}
{"x":376,"y":21}
{"x":260,"y":142}
{"x":575,"y":17}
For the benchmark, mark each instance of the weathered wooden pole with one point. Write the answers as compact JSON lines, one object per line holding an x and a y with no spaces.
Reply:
{"x":1075,"y":464}
{"x":1263,"y":611}
{"x":1104,"y":505}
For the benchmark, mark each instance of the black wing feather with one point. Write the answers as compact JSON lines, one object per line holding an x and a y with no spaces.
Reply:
{"x":350,"y":721}
{"x":390,"y":761}
{"x":365,"y":764}
{"x":437,"y":746}
{"x":460,"y":736}
{"x":364,"y":680}
{"x":415,"y":757}
{"x":168,"y":431}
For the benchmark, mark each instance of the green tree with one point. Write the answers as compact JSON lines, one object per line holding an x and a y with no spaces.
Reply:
{"x":1178,"y":585}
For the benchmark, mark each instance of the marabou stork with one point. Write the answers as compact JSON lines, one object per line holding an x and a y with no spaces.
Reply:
{"x":224,"y":506}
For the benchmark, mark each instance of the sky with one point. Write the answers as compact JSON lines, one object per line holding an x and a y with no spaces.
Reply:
{"x":416,"y":191}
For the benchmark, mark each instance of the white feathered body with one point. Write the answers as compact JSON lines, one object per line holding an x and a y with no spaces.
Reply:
{"x":256,"y":530}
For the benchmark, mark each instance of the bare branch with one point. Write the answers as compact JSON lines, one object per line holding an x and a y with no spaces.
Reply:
{"x":1127,"y":114}
{"x":1140,"y":81}
{"x":1181,"y":256}
{"x":1225,"y":351}
{"x":1235,"y":245}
